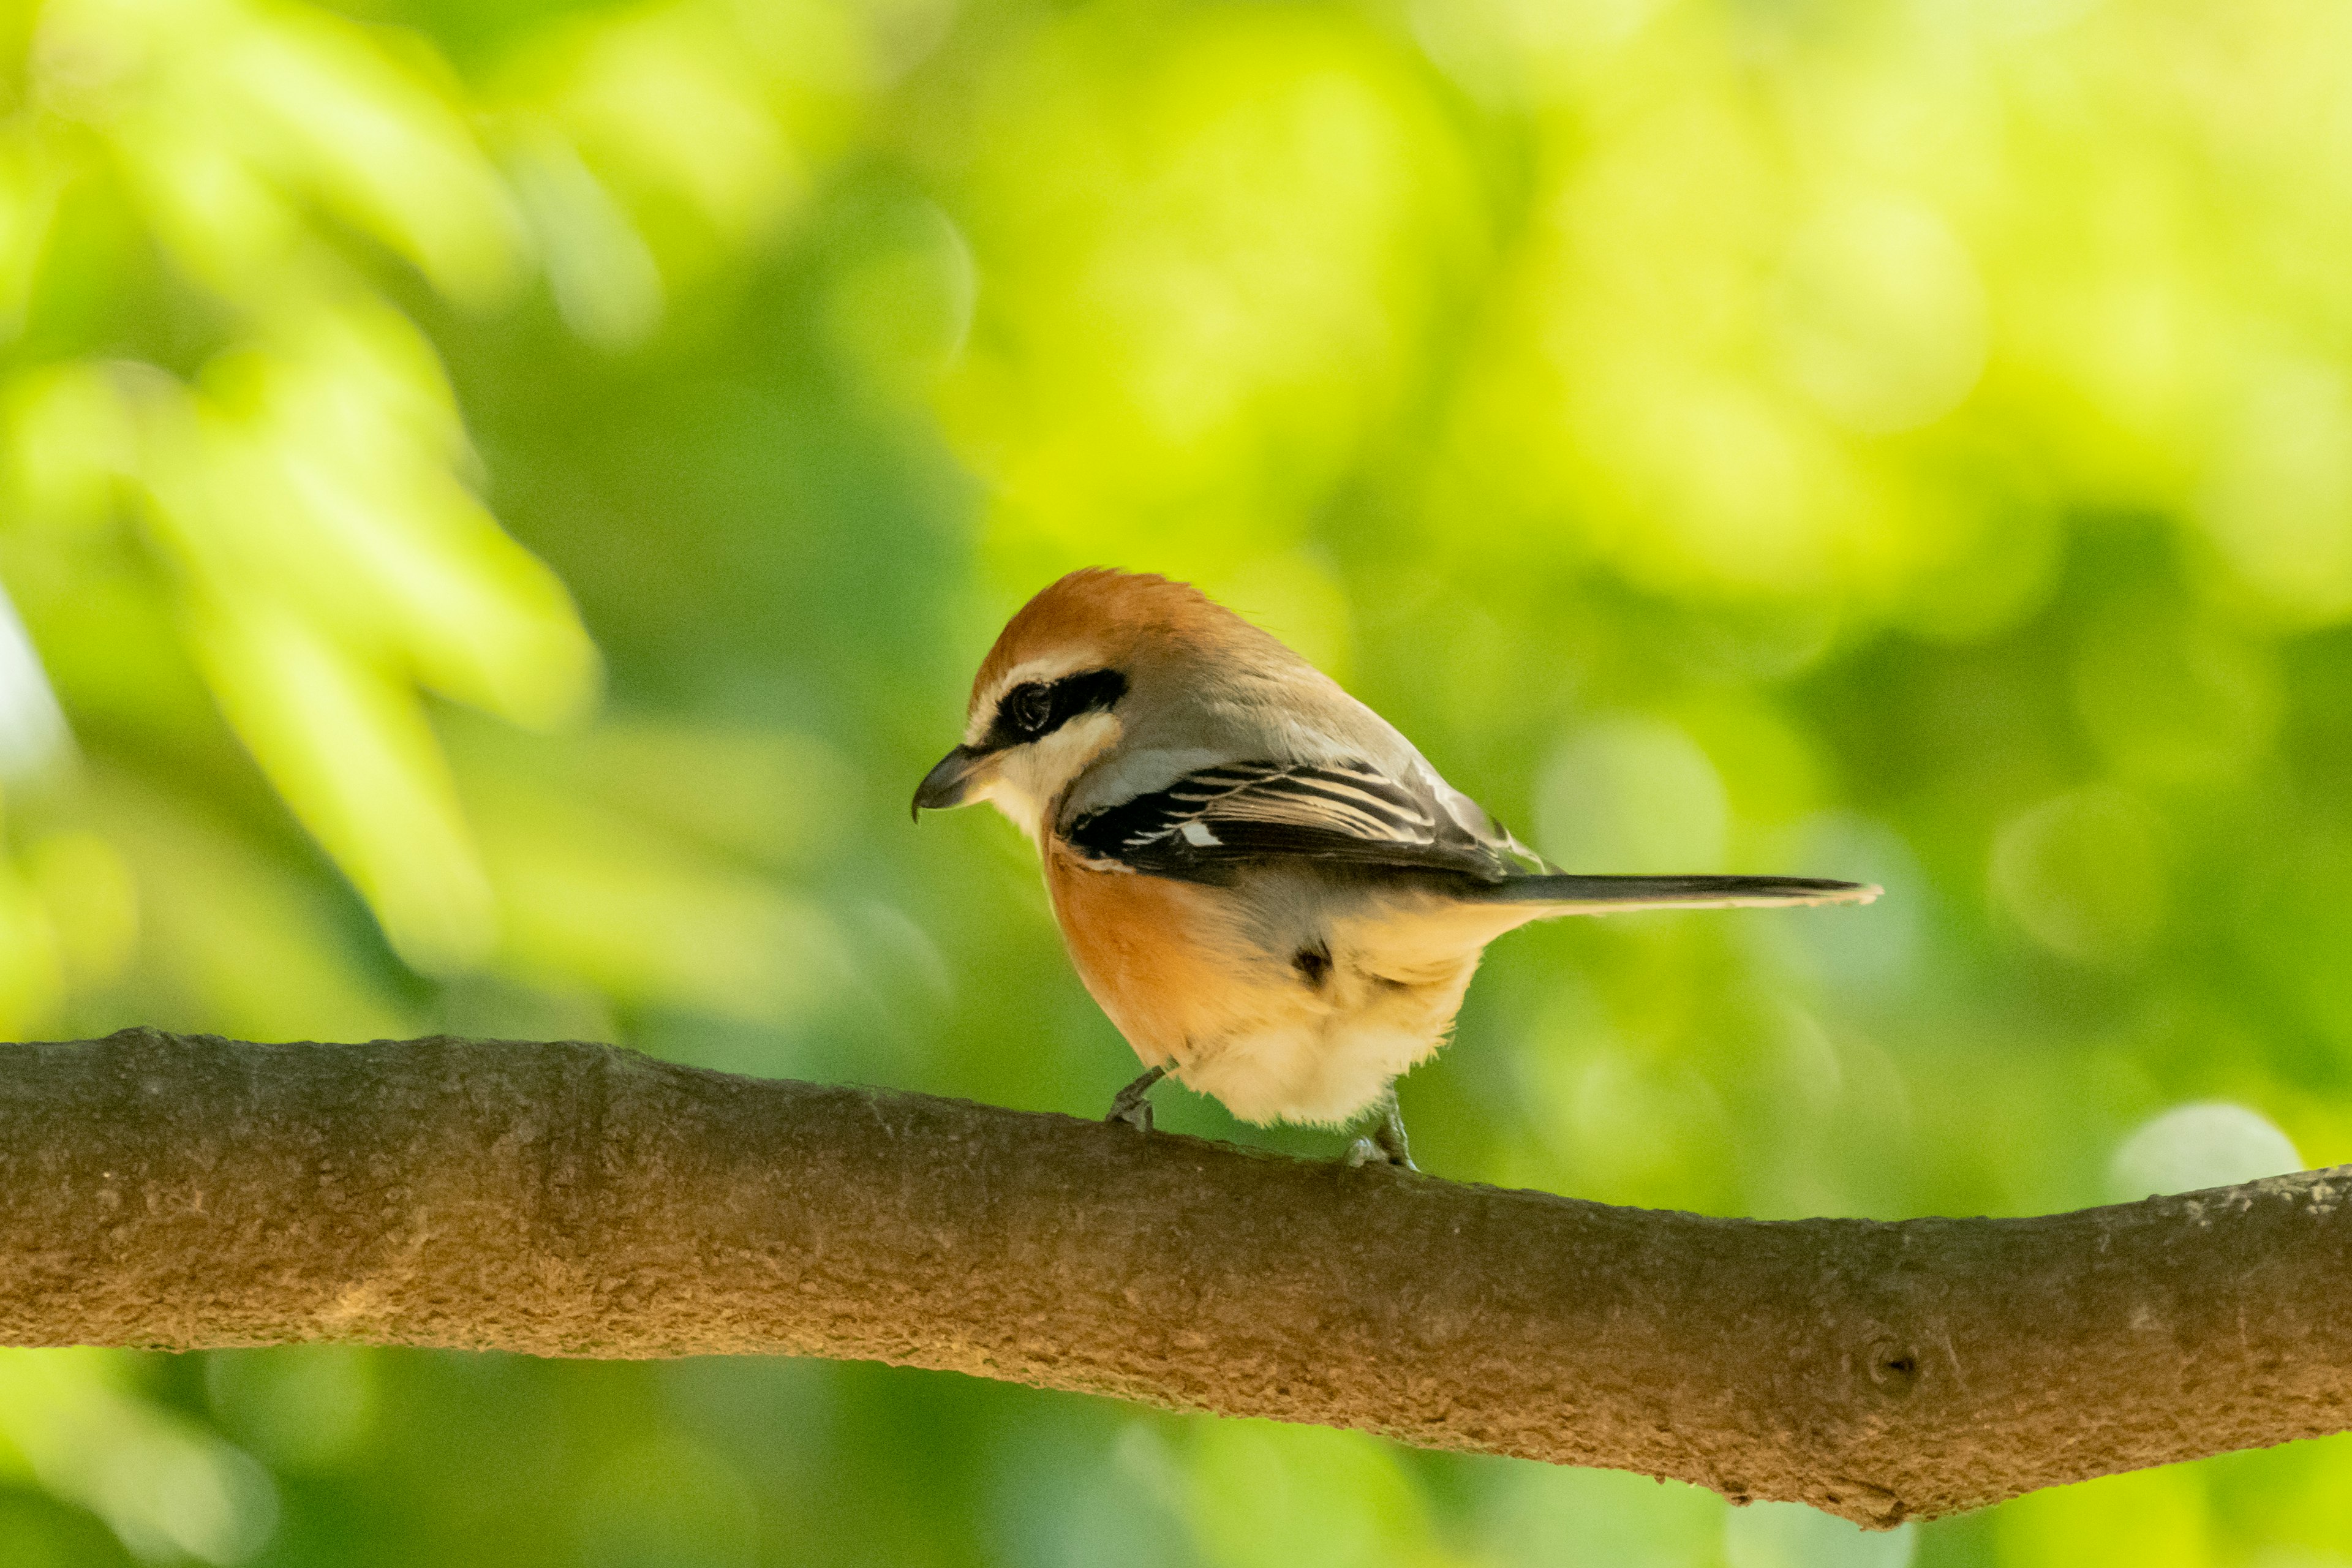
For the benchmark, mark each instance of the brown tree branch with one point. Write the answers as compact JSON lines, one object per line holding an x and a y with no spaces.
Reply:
{"x":184,"y":1191}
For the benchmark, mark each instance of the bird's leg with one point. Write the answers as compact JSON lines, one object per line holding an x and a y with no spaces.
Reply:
{"x":1132,"y":1104}
{"x":1386,"y":1142}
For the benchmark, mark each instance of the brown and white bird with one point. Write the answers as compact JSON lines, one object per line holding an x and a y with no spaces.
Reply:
{"x":1271,"y":892}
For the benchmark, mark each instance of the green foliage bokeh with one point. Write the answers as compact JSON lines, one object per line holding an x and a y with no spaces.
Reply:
{"x":499,"y":501}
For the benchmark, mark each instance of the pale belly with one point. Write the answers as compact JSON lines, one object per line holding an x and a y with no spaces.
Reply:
{"x":1284,"y":1004}
{"x":1320,"y":1066}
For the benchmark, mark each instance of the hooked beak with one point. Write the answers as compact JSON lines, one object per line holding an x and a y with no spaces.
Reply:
{"x":945,"y":785}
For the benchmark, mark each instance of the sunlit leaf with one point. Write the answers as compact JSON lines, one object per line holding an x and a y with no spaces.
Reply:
{"x":1264,"y":1495}
{"x":1204,"y":279}
{"x":230,"y":935}
{"x":227,"y":109}
{"x":588,"y":895}
{"x":349,"y":748}
{"x":164,"y":1485}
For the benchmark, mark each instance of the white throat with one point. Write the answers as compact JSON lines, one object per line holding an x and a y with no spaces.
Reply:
{"x":1028,"y":779}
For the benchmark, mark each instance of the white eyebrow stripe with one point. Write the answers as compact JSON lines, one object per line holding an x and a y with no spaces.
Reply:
{"x":1044,"y":671}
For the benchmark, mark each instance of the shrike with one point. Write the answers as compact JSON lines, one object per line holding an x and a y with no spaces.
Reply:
{"x":1271,"y":892}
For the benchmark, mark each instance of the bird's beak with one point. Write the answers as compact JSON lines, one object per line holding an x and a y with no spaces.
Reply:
{"x":945,"y":785}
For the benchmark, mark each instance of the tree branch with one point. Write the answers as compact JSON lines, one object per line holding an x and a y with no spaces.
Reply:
{"x":184,"y":1191}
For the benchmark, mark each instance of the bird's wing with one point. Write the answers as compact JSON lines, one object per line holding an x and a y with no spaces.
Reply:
{"x":1214,"y":821}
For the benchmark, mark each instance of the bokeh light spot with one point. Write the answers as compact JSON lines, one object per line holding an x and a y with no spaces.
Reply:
{"x":1632,"y":795}
{"x":2278,"y":501}
{"x":2210,"y":1143}
{"x":1880,"y":315}
{"x":2083,"y":874}
{"x":2172,"y":698}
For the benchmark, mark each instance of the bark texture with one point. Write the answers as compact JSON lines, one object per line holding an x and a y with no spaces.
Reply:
{"x":184,"y":1191}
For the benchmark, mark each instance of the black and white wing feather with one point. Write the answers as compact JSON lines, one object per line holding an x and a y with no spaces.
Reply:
{"x":1211,"y":823}
{"x":1214,"y":823}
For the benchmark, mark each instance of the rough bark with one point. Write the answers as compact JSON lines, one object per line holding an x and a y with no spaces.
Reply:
{"x":185,"y":1192}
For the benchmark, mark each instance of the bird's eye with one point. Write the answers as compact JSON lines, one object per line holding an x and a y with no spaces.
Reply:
{"x":1030,"y":709}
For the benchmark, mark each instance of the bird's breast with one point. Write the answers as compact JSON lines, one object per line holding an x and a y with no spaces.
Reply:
{"x":1281,"y":999}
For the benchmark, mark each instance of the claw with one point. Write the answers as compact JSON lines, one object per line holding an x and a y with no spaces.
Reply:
{"x":1386,"y":1142}
{"x":1132,"y":1104}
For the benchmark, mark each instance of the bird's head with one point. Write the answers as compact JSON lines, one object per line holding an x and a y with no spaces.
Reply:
{"x":1088,"y":664}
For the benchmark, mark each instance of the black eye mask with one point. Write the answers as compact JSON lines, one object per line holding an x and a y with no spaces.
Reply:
{"x":1033,"y":710}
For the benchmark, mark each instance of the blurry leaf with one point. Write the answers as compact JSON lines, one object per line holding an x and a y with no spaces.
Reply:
{"x":224,"y":110}
{"x":93,"y":906}
{"x":674,"y":104}
{"x":305,"y":497}
{"x":1545,"y":1515}
{"x":225,"y":225}
{"x":74,"y":439}
{"x":1269,"y":1496}
{"x":901,"y":308}
{"x":326,"y":467}
{"x":586,"y":895}
{"x":28,"y":194}
{"x":769,"y":795}
{"x":304,"y":1406}
{"x":232,"y":937}
{"x":600,"y":269}
{"x":1629,"y":795}
{"x":1207,"y":260}
{"x":2085,"y":873}
{"x":1791,"y":1535}
{"x":32,"y":976}
{"x":662,"y":1501}
{"x":375,"y":141}
{"x":1880,"y":315}
{"x":107,"y":628}
{"x":32,"y":729}
{"x":351,"y":752}
{"x":167,"y":1487}
{"x":2150,"y":1518}
{"x":2172,"y":697}
{"x":2278,"y":501}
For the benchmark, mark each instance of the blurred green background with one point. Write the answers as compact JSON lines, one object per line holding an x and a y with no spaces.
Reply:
{"x":503,"y":499}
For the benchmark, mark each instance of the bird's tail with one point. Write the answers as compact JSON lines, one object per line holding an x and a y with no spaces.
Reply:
{"x":1568,"y":894}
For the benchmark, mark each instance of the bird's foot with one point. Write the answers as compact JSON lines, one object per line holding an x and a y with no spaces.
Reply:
{"x":1385,"y":1144}
{"x":1373,"y":1152}
{"x":1132,"y":1104}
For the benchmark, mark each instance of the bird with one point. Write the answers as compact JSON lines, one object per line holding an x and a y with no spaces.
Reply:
{"x":1272,"y":894}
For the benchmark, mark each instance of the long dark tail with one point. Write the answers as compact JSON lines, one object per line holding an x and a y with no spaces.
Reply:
{"x":1571,"y":894}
